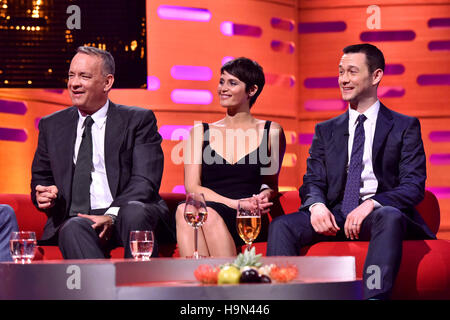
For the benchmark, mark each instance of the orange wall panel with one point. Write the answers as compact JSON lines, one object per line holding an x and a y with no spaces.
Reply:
{"x":314,"y":55}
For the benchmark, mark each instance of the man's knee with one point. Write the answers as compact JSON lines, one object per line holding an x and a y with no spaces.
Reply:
{"x":137,"y":214}
{"x":388,"y":213}
{"x":389,"y":217}
{"x":73,"y":227}
{"x":133,"y":211}
{"x":280,"y":224}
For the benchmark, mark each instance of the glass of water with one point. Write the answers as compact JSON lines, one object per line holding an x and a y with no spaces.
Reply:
{"x":22,"y":246}
{"x":141,"y":244}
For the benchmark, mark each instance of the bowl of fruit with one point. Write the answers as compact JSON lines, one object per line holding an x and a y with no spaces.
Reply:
{"x":247,"y":268}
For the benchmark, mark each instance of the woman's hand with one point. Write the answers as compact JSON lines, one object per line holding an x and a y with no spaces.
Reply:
{"x":263,"y":202}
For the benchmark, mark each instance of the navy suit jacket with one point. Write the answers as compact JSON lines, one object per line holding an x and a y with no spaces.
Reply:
{"x":398,"y":158}
{"x":134,"y":159}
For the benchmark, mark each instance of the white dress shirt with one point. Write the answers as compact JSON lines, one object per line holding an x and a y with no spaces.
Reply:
{"x":369,"y":183}
{"x":100,"y":193}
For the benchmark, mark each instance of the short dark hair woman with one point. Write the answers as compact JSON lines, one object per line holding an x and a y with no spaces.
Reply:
{"x":234,"y":158}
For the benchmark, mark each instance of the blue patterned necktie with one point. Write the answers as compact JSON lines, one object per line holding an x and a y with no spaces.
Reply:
{"x":81,"y":202}
{"x":351,"y":193}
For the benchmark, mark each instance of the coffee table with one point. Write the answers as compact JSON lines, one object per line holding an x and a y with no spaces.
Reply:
{"x":319,"y":278}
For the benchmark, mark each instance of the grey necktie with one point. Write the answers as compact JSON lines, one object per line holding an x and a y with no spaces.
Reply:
{"x":82,"y":175}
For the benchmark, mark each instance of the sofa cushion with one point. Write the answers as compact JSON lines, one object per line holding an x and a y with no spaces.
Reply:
{"x":424,"y":271}
{"x":28,"y":217}
{"x":430,"y":211}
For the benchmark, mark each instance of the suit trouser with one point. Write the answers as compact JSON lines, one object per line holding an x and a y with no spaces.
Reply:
{"x":78,"y":240}
{"x":385,"y":228}
{"x":8,"y":224}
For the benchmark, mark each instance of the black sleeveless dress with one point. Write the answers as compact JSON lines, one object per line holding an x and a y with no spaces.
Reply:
{"x":235,"y":181}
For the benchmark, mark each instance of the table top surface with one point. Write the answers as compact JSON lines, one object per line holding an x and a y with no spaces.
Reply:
{"x":172,"y":278}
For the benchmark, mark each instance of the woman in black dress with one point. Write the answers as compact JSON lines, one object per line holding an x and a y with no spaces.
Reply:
{"x":234,"y":158}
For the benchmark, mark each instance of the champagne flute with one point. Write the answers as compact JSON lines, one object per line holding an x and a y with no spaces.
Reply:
{"x":22,"y":246}
{"x":248,"y":220}
{"x":141,"y":244}
{"x":195,"y":214}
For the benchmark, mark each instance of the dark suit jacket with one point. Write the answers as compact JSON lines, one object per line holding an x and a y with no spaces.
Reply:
{"x":398,"y":158}
{"x":134,"y":159}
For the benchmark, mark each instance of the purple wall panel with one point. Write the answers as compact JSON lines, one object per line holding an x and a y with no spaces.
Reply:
{"x":14,"y":107}
{"x":174,"y":132}
{"x":184,"y":13}
{"x":439,"y":136}
{"x":305,"y":138}
{"x":440,"y":192}
{"x":379,"y":36}
{"x":198,"y":73}
{"x":439,"y":22}
{"x":190,"y":96}
{"x":9,"y":134}
{"x":323,"y":26}
{"x":325,"y":105}
{"x":433,"y":79}
{"x":394,"y":69}
{"x":440,"y":159}
{"x":321,"y":83}
{"x":439,"y":45}
{"x":282,"y":24}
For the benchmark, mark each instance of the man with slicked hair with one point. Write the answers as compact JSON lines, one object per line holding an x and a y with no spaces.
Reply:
{"x":365,"y":173}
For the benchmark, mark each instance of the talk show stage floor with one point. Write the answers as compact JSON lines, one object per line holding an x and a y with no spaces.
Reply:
{"x":319,"y":278}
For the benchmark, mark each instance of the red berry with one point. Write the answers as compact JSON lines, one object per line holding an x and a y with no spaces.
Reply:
{"x":284,"y":274}
{"x":206,"y":274}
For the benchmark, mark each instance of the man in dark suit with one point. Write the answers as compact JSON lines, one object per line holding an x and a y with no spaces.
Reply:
{"x":365,"y":173}
{"x":98,"y":166}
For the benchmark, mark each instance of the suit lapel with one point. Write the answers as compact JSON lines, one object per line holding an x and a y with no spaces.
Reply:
{"x":114,"y":133}
{"x":340,"y":147}
{"x":383,"y":127}
{"x":65,"y":143}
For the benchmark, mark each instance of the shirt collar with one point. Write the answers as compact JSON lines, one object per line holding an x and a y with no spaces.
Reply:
{"x":99,"y":116}
{"x":371,"y":113}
